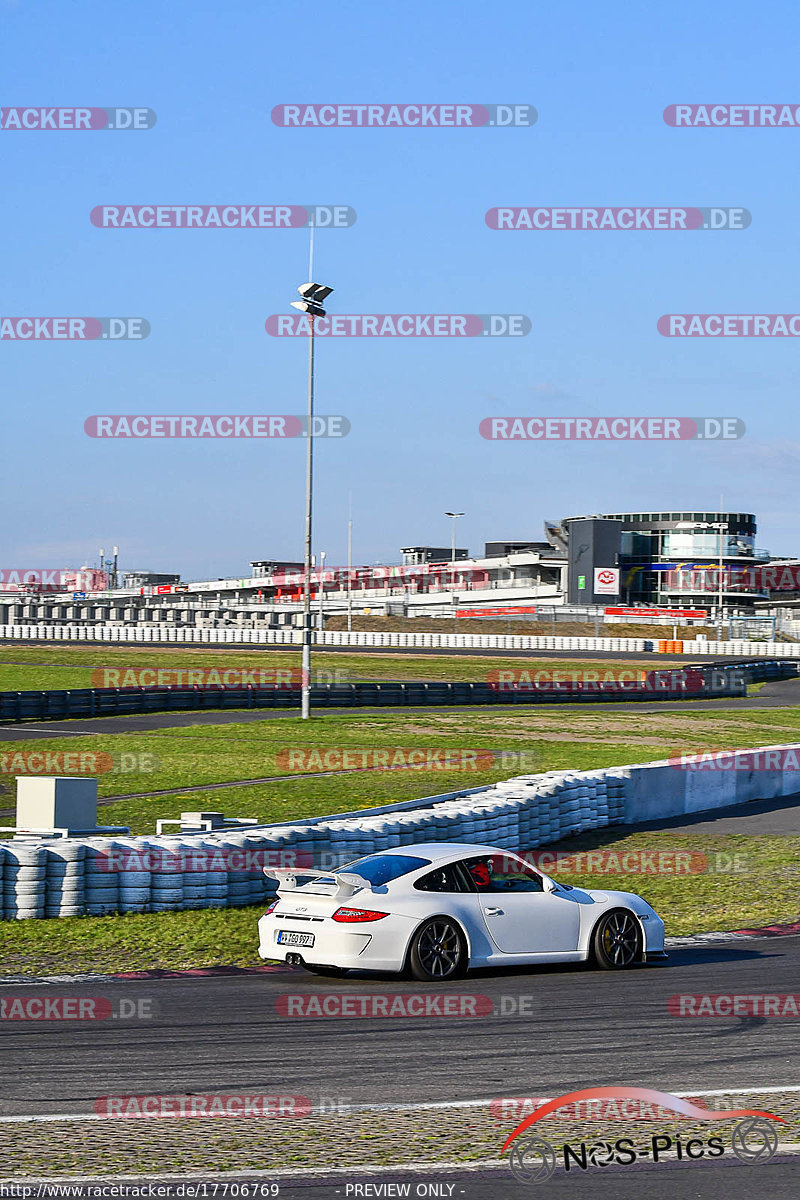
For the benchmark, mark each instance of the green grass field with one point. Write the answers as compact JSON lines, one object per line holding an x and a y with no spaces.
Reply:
{"x":522,"y":739}
{"x":56,"y":666}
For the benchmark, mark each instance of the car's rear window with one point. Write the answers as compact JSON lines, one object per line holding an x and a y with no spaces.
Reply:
{"x":383,"y":868}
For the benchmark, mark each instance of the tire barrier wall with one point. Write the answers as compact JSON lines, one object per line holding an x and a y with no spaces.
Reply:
{"x":187,"y":635}
{"x":98,"y":876}
{"x":706,"y":682}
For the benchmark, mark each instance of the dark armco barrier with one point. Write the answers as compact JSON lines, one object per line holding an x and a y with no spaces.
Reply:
{"x":696,"y":683}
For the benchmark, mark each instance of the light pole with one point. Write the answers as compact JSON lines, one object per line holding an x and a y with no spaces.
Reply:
{"x":350,"y":570}
{"x":455,"y":517}
{"x":719,"y":527}
{"x":312,"y":303}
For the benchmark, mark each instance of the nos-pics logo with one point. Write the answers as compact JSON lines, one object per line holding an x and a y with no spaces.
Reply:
{"x":753,"y":1138}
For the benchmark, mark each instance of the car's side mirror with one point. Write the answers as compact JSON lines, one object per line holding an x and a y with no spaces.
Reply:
{"x":550,"y":885}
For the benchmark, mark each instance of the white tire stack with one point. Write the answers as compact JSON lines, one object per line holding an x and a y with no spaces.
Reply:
{"x":216,"y":875}
{"x":134,"y":876}
{"x":101,"y":877}
{"x":166,"y":881}
{"x":24,"y":880}
{"x":65,"y":892}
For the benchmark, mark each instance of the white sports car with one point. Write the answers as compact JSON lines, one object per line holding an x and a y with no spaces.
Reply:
{"x":437,"y":909}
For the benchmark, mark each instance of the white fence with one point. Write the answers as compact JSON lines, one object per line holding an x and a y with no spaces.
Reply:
{"x":467,"y":641}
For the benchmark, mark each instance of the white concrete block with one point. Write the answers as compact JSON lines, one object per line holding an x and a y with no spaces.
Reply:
{"x":56,"y":802}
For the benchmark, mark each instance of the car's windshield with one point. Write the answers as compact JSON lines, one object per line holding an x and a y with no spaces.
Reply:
{"x":383,"y":868}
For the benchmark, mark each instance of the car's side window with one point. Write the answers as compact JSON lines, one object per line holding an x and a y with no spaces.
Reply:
{"x":443,"y":879}
{"x":501,"y":873}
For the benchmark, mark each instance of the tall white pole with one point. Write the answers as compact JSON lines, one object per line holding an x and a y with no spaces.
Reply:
{"x":350,"y":567}
{"x":719,"y":597}
{"x":453,"y":577}
{"x":454,"y":517}
{"x":321,"y":624}
{"x":305,"y":694}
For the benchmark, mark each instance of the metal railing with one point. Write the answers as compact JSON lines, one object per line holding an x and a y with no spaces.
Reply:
{"x":700,"y":683}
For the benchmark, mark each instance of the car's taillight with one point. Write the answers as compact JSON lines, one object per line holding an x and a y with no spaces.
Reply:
{"x":271,"y":908}
{"x":357,"y":914}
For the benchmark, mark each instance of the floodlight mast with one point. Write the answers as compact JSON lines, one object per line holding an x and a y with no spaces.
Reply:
{"x":455,"y":516}
{"x":313,"y":295}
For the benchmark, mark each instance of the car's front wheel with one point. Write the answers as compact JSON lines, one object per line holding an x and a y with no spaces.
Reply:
{"x":438,"y":951}
{"x":617,"y":941}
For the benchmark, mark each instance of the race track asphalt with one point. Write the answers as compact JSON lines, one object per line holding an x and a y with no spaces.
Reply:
{"x":710,"y":1180}
{"x":580,"y":1028}
{"x":777,"y":1180}
{"x":575,"y":1027}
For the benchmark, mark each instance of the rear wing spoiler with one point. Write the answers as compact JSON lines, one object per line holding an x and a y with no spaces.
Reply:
{"x":347,"y":883}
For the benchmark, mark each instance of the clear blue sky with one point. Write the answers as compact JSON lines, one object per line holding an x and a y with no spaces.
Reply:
{"x":599,"y":77}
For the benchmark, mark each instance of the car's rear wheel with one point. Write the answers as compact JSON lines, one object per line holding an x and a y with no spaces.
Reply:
{"x":617,"y":941}
{"x":438,"y":951}
{"x":336,"y":972}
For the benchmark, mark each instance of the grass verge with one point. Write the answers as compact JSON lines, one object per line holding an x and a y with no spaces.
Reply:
{"x":56,"y":667}
{"x":522,"y":740}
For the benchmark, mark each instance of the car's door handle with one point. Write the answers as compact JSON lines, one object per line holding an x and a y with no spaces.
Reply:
{"x":493,"y":912}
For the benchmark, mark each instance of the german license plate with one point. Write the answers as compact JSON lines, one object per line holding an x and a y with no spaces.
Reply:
{"x":287,"y":937}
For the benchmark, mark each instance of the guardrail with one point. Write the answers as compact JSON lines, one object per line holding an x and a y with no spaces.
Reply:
{"x":697,"y":684}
